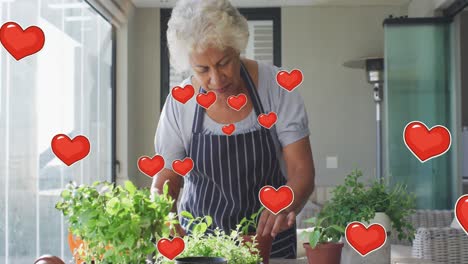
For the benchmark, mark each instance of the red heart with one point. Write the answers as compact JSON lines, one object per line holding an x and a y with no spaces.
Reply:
{"x":461,"y":212}
{"x":21,"y":43}
{"x":276,"y":200}
{"x":70,"y":151}
{"x":183,"y":94}
{"x":182,"y":167}
{"x":289,"y":81}
{"x":365,"y":240}
{"x":206,"y":99}
{"x":151,"y":166}
{"x":229,"y":129}
{"x":426,"y":144}
{"x":171,"y":248}
{"x":267,"y":120}
{"x":237,"y":102}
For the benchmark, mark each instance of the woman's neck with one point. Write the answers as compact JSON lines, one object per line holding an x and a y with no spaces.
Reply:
{"x":239,"y":89}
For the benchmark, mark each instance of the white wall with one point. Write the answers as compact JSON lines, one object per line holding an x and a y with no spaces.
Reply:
{"x":427,"y":8}
{"x":144,"y":91}
{"x":421,"y":8}
{"x":339,"y":100}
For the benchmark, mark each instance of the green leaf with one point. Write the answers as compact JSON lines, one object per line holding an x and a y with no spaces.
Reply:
{"x":145,"y":222}
{"x":314,"y":238}
{"x":186,"y":215}
{"x":112,"y":207}
{"x":209,"y":220}
{"x":126,"y":203}
{"x":101,"y":222}
{"x":243,"y":221}
{"x":320,"y":221}
{"x":196,"y":229}
{"x":131,"y":188}
{"x":311,"y":220}
{"x":108,"y":254}
{"x":59,"y":205}
{"x":165,"y":189}
{"x":203,"y":227}
{"x":337,"y":228}
{"x":65,"y":194}
{"x":129,"y":241}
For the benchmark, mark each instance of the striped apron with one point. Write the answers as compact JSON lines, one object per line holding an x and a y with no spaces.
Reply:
{"x":228,"y":173}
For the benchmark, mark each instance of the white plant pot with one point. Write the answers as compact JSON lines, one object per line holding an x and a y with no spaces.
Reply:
{"x":380,"y":256}
{"x":383,"y":219}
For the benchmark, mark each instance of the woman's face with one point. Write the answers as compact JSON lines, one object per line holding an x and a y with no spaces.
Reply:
{"x":217,"y":70}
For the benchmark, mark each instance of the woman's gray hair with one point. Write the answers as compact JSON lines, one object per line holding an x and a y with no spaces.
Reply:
{"x":196,"y":24}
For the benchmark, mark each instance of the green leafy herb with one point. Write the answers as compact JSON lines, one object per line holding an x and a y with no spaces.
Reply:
{"x":250,"y":223}
{"x":216,"y":244}
{"x":322,"y":233}
{"x":353,"y":201}
{"x":117,"y":224}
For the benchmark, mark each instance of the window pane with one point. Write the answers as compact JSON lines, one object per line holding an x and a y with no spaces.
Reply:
{"x":260,"y":45}
{"x":64,"y":88}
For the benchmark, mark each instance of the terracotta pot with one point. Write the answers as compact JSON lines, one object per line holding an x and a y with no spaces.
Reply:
{"x":328,"y":253}
{"x":263,"y":245}
{"x":74,"y":244}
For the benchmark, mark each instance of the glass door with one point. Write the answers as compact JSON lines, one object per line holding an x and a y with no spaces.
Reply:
{"x":419,"y":87}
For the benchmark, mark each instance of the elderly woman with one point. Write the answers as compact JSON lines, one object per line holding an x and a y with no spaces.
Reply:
{"x":206,"y":37}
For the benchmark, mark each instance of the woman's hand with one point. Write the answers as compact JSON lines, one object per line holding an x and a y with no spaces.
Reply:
{"x":271,"y":224}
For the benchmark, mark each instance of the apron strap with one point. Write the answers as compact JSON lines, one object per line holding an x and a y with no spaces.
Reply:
{"x":252,"y":90}
{"x":197,"y":118}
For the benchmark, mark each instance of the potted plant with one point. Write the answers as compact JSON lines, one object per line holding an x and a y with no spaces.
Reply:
{"x":116,"y":224}
{"x":216,"y":245}
{"x":324,"y":246}
{"x":375,"y":203}
{"x":354,"y":201}
{"x":249,"y":235}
